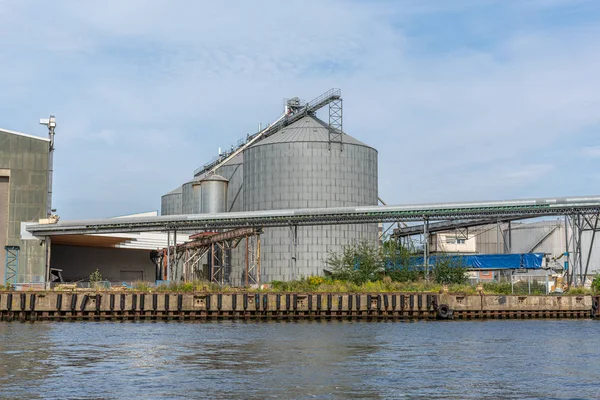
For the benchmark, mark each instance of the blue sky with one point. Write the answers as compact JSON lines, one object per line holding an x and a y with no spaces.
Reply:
{"x":464,"y":99}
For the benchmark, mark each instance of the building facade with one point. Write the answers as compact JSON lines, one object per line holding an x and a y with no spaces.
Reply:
{"x":23,"y":198}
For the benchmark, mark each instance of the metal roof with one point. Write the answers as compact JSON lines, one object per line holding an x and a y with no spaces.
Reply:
{"x":178,"y":190}
{"x":329,"y":216}
{"x":23,"y":134}
{"x":308,"y":129}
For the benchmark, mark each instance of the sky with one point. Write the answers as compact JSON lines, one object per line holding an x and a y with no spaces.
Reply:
{"x":463,"y":99}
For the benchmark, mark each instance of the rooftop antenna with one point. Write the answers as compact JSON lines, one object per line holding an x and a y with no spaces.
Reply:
{"x":51,"y":124}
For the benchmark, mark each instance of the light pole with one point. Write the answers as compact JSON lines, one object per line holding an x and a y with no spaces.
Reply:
{"x":51,"y":124}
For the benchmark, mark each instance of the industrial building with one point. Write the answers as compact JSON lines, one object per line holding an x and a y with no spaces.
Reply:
{"x":25,"y":188}
{"x":272,"y":208}
{"x":308,"y":163}
{"x":567,"y":243}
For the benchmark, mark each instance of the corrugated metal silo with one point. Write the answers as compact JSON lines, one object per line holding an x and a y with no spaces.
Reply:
{"x":295,"y":168}
{"x":233,"y":171}
{"x":187,"y":198}
{"x":213,"y":197}
{"x":190,"y":200}
{"x":170,"y":203}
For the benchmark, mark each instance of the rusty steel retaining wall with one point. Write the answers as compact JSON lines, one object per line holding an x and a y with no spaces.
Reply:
{"x":33,"y":306}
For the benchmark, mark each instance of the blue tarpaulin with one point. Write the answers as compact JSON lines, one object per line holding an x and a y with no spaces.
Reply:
{"x":490,"y":261}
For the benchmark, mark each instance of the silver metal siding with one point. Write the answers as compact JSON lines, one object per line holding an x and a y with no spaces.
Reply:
{"x":27,"y":160}
{"x":171,"y":204}
{"x":303,"y":175}
{"x":214,"y":196}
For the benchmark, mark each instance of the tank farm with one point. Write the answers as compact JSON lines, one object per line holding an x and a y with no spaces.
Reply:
{"x":273,"y":208}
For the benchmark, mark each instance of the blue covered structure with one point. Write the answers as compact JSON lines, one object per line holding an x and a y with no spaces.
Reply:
{"x":490,"y":261}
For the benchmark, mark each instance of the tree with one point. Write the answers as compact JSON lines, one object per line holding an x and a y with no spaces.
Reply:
{"x":358,"y":264}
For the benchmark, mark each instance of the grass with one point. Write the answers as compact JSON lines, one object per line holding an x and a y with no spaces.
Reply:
{"x":319,"y":284}
{"x":382,"y":286}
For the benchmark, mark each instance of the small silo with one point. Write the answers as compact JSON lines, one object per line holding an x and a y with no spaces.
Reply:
{"x":213,"y":194}
{"x":297,"y":168}
{"x":170,"y":203}
{"x":190,"y":197}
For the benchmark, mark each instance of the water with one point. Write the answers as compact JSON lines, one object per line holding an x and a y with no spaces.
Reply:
{"x":492,"y":359}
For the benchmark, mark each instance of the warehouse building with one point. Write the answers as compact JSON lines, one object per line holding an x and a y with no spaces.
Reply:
{"x":24,"y":191}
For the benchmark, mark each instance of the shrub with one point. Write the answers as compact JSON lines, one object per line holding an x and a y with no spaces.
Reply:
{"x":522,"y":287}
{"x":450,"y":270}
{"x":95,"y":277}
{"x":357,"y":264}
{"x":496,"y":287}
{"x":577,"y":291}
{"x":595,"y":288}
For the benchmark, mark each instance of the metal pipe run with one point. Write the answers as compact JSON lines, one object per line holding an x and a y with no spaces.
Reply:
{"x":328,"y":216}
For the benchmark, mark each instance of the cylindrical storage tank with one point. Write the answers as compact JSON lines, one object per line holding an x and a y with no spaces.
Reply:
{"x":190,"y":201}
{"x":233,"y":171}
{"x":197,"y":190}
{"x":213,"y":194}
{"x":187,"y":198}
{"x":295,"y":168}
{"x":170,"y":203}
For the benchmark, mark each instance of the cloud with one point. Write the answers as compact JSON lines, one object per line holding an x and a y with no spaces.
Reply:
{"x":462,"y":99}
{"x":591,"y":151}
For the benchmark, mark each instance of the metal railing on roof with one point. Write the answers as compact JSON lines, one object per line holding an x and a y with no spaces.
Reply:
{"x":287,"y":119}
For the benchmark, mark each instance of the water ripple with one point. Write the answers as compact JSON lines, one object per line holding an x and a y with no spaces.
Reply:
{"x":304,"y":360}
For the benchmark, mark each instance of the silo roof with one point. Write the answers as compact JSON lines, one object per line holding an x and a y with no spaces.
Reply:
{"x":179,"y":190}
{"x":215,"y":177}
{"x":307,"y":129}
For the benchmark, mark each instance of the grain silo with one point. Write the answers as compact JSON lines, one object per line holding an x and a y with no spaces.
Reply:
{"x":233,"y":171}
{"x":298,"y":161}
{"x":213,"y":194}
{"x":298,"y":167}
{"x":171,"y":203}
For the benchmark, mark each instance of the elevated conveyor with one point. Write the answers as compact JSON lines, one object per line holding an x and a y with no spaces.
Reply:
{"x":504,"y":209}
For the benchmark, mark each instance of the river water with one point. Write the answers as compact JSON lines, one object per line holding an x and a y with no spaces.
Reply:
{"x":125,"y":360}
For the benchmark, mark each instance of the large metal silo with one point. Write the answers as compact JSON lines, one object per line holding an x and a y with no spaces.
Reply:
{"x":213,"y":194}
{"x":170,"y":203}
{"x":297,"y":168}
{"x":233,"y":171}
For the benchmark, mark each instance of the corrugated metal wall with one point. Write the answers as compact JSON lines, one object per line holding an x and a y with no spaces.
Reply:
{"x":3,"y":220}
{"x":295,"y":169}
{"x":171,"y":203}
{"x":537,"y":237}
{"x":26,"y":159}
{"x":233,"y":171}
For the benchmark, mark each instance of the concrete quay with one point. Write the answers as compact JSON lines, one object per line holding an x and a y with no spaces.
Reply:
{"x":92,"y":305}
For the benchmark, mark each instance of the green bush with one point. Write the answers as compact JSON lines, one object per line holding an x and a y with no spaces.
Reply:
{"x":357,"y":264}
{"x":95,"y":277}
{"x":450,"y":270}
{"x":595,"y":288}
{"x":577,"y":291}
{"x":522,"y":287}
{"x":497,"y":288}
